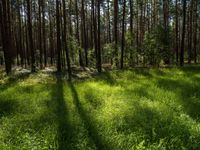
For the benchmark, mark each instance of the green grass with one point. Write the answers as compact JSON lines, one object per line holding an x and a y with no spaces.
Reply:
{"x":118,"y":110}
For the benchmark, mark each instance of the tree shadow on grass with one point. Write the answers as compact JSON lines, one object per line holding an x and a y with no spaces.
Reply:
{"x":144,"y":72}
{"x":7,"y":107}
{"x":93,"y":134}
{"x":13,"y":80}
{"x":61,"y":112}
{"x":190,"y":70}
{"x":141,"y":92}
{"x":107,"y":78}
{"x":189,"y":94}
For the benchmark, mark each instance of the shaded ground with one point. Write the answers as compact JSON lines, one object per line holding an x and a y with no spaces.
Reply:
{"x":132,"y":109}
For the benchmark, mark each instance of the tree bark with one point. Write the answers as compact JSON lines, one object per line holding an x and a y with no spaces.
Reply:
{"x":30,"y":36}
{"x":58,"y":36}
{"x":65,"y":42}
{"x":115,"y":30}
{"x":123,"y":30}
{"x":99,"y":39}
{"x":6,"y":33}
{"x":183,"y":34}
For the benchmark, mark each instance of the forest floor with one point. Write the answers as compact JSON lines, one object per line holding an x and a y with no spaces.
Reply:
{"x":117,"y":110}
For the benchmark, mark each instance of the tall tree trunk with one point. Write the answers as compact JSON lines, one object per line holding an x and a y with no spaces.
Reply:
{"x":183,"y":34}
{"x":84,"y":36}
{"x":131,"y":16}
{"x":115,"y":30}
{"x":6,"y":33}
{"x":20,"y":34}
{"x":95,"y":31}
{"x":77,"y":34}
{"x":40,"y":34}
{"x":123,"y":30}
{"x":58,"y":36}
{"x":190,"y":23}
{"x":195,"y":31}
{"x":99,"y":39}
{"x":51,"y":47}
{"x":166,"y":31}
{"x":44,"y":33}
{"x":109,"y":28}
{"x":177,"y":33}
{"x":65,"y":42}
{"x":30,"y":36}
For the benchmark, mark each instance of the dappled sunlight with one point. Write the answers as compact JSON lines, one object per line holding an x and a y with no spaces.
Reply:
{"x":115,"y":110}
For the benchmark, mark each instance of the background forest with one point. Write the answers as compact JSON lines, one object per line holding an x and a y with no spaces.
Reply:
{"x":90,"y":33}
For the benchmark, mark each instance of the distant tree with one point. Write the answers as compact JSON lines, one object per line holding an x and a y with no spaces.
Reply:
{"x":95,"y":31}
{"x":177,"y":32}
{"x":44,"y":32}
{"x":64,"y":40}
{"x":166,"y":33}
{"x":123,"y":33}
{"x":40,"y":32}
{"x":29,"y":16}
{"x":6,"y":33}
{"x":84,"y":36}
{"x":20,"y":32}
{"x":58,"y":36}
{"x":77,"y":33}
{"x":99,"y":40}
{"x":195,"y":30}
{"x":183,"y":34}
{"x":116,"y":30}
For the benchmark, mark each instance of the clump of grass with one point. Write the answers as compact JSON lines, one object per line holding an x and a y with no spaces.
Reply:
{"x":130,"y":109}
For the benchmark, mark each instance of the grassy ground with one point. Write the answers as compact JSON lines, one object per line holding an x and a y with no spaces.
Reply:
{"x":118,"y":110}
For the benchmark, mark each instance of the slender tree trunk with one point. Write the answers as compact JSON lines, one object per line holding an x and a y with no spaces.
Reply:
{"x":40,"y":34}
{"x":27,"y":44}
{"x":123,"y":30}
{"x":95,"y":32}
{"x":65,"y":42}
{"x":44,"y":33}
{"x":190,"y":22}
{"x":58,"y":36}
{"x":77,"y":34}
{"x":177,"y":33}
{"x":20,"y":35}
{"x":183,"y":34}
{"x":51,"y":38}
{"x":84,"y":36}
{"x":195,"y":31}
{"x":131,"y":16}
{"x":6,"y":33}
{"x":30,"y":36}
{"x":99,"y":39}
{"x":115,"y":30}
{"x":166,"y":31}
{"x":109,"y":27}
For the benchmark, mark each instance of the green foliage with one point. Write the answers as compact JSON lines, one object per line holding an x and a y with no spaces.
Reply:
{"x":108,"y":52}
{"x":74,"y":48}
{"x":92,"y":57}
{"x":165,"y":41}
{"x":130,"y":48}
{"x":156,"y":45}
{"x":120,"y":110}
{"x":152,"y":48}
